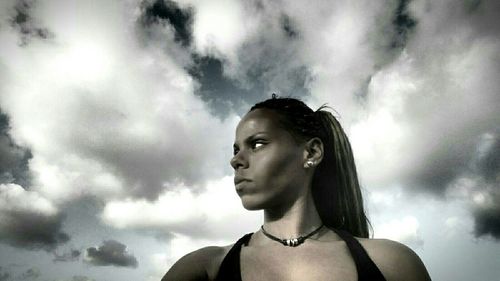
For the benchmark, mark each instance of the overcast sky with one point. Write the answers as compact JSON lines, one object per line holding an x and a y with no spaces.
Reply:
{"x":117,"y":121}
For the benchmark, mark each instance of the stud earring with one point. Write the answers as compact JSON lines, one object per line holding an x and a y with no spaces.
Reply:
{"x":309,"y":163}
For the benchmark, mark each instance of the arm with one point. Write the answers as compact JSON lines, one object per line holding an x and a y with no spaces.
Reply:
{"x":194,"y":266}
{"x":395,"y":260}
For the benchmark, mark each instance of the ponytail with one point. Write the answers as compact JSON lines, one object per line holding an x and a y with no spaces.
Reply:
{"x":335,"y":187}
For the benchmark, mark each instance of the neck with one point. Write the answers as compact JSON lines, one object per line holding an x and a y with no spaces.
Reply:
{"x":298,"y":219}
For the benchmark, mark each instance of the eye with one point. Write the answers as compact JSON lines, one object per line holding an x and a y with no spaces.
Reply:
{"x":257,"y":144}
{"x":235,"y":151}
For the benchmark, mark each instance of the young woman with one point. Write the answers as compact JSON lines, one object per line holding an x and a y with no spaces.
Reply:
{"x":296,"y":164}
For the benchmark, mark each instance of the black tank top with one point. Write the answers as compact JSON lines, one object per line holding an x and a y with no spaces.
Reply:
{"x":367,"y":270}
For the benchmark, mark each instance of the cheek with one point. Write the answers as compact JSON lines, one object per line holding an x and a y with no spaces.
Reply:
{"x":277,"y":171}
{"x":274,"y":178}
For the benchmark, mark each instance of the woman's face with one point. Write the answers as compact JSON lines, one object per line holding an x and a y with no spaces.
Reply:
{"x":268,"y":163}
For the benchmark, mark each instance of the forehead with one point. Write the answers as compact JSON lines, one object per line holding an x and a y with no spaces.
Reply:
{"x":258,"y":120}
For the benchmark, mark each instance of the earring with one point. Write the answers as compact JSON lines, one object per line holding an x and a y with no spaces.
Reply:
{"x":309,"y":163}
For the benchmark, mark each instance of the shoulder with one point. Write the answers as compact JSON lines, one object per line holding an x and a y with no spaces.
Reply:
{"x":395,"y":260}
{"x":202,"y":264}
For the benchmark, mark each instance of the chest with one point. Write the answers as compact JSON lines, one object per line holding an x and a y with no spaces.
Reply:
{"x":313,"y":262}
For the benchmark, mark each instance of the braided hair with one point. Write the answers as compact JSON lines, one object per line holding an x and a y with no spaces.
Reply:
{"x":335,"y":187}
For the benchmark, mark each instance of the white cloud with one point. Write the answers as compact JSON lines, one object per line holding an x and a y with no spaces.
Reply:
{"x":14,"y":198}
{"x":404,"y":230}
{"x":221,"y":29}
{"x":160,"y":262}
{"x":455,"y":226}
{"x":179,"y":246}
{"x":214,"y":212}
{"x":172,"y":208}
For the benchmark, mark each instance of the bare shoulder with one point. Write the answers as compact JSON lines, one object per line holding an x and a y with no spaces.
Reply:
{"x":395,"y":260}
{"x":202,"y":264}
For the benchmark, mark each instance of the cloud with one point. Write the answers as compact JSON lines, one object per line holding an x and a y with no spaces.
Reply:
{"x":23,"y":21}
{"x":241,"y":54}
{"x":430,"y":116}
{"x":433,"y":104}
{"x":180,"y":211}
{"x":110,"y":253}
{"x":165,"y":11}
{"x":30,"y":274}
{"x":487,"y":162}
{"x":405,"y":230}
{"x":72,"y":255}
{"x":485,"y":189}
{"x":146,"y":111}
{"x":403,"y":24}
{"x":4,"y":275}
{"x":220,"y":30}
{"x":77,"y":278}
{"x":28,"y":220}
{"x":14,"y":160}
{"x":288,"y":27}
{"x":123,"y":122}
{"x":486,"y":213}
{"x":81,"y":278}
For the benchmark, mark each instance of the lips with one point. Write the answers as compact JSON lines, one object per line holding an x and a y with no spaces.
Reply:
{"x":238,"y":180}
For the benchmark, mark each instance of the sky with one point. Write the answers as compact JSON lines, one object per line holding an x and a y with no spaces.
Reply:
{"x":117,"y":120}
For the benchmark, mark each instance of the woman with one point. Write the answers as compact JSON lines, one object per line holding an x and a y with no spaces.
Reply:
{"x":297,"y":166}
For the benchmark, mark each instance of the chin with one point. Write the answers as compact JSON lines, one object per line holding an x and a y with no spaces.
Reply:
{"x":251,"y":204}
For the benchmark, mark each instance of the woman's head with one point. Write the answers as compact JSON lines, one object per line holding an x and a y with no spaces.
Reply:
{"x":268,"y":162}
{"x":335,"y":186}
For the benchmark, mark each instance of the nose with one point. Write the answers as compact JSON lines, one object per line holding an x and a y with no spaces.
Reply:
{"x":238,"y":161}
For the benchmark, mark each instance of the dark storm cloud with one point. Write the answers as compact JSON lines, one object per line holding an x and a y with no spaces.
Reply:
{"x":488,"y":163}
{"x":4,"y":275}
{"x":267,"y":73}
{"x":222,"y":93}
{"x":72,"y":255}
{"x":487,"y":216}
{"x":472,"y":5}
{"x":30,"y":274}
{"x":32,"y":231}
{"x":485,"y":15}
{"x":403,"y":24}
{"x":13,"y":158}
{"x":24,"y":23}
{"x":219,"y":92}
{"x":288,"y":27}
{"x":487,"y":219}
{"x":443,"y":166}
{"x":393,"y":32}
{"x":467,"y":155}
{"x":362,"y":92}
{"x":167,"y":11}
{"x":112,"y":253}
{"x":478,"y":162}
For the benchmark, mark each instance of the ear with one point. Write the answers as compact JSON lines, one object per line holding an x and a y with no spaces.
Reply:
{"x":313,"y":152}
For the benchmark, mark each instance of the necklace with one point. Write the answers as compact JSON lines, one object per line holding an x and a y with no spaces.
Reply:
{"x":293,"y":242}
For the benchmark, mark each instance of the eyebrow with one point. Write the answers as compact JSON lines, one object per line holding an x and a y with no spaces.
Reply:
{"x":250,"y":138}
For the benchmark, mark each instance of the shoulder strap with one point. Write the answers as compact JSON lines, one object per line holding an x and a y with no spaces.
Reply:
{"x":367,"y":269}
{"x":229,"y":269}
